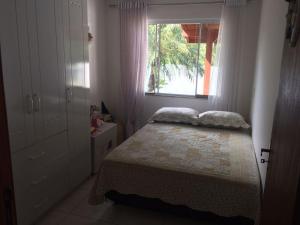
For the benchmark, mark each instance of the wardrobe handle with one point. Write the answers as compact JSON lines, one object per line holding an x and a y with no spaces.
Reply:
{"x":36,"y":182}
{"x":39,"y":205}
{"x":37,"y":156}
{"x":69,"y":95}
{"x":29,"y":104}
{"x":36,"y":103}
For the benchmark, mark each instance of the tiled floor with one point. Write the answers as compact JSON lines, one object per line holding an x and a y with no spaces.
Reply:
{"x":75,"y":210}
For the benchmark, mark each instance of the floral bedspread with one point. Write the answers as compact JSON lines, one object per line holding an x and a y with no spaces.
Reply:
{"x":212,"y":170}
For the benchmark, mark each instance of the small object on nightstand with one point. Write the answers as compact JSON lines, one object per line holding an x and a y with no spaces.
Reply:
{"x":103,"y":141}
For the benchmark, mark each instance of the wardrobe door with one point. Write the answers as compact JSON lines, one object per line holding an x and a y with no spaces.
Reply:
{"x":47,"y":59}
{"x":16,"y":71}
{"x":77,"y":91}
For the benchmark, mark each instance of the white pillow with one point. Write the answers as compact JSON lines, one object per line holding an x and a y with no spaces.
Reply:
{"x":176,"y":115}
{"x":222,"y":119}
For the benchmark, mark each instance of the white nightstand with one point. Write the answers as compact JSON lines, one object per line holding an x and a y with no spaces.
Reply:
{"x":102,"y":142}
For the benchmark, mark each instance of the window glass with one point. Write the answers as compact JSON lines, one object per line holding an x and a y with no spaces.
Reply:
{"x":180,"y":58}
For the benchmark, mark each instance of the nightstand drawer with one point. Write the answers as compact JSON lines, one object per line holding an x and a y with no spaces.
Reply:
{"x":106,"y":140}
{"x":102,"y":144}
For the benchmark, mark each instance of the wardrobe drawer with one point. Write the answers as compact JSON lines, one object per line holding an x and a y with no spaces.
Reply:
{"x":33,"y":159}
{"x":40,"y":177}
{"x":36,"y":196}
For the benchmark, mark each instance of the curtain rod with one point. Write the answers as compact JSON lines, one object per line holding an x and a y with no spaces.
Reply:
{"x":182,"y":3}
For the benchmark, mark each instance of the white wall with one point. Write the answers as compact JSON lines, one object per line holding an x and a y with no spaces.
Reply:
{"x":113,"y":62}
{"x":249,"y":29}
{"x":269,"y":55}
{"x":97,"y":50}
{"x":248,"y":48}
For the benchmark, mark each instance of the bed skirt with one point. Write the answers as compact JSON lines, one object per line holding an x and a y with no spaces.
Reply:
{"x":178,"y":210}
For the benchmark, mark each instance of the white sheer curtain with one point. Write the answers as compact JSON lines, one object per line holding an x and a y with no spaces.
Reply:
{"x":133,"y":24}
{"x":225,"y":78}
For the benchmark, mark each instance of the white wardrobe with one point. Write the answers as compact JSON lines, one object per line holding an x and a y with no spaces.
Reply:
{"x":44,"y":50}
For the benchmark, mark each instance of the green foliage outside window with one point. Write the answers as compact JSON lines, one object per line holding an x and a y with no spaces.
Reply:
{"x":167,"y":46}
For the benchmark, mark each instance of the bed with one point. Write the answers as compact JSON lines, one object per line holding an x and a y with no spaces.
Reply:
{"x":203,"y":169}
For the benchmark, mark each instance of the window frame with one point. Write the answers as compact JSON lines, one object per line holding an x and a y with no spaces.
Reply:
{"x":181,"y":21}
{"x":176,"y":95}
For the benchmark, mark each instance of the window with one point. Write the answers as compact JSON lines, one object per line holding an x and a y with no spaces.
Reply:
{"x":181,"y":58}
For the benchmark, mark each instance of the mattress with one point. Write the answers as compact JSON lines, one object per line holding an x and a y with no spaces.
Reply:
{"x":205,"y":169}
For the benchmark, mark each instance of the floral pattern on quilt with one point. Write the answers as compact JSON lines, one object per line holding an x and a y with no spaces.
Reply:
{"x":206,"y":169}
{"x":187,"y":148}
